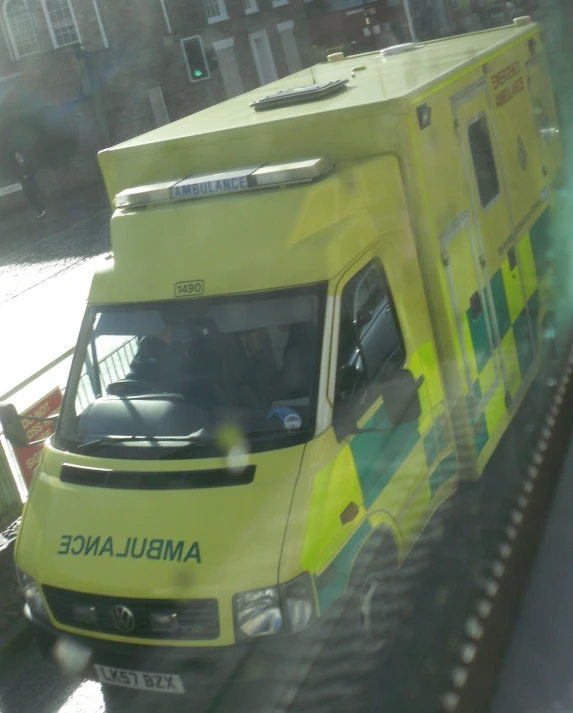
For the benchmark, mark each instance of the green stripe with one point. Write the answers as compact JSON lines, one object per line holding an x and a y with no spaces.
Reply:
{"x":332,"y":583}
{"x":431,"y":446}
{"x":442,"y":436}
{"x":500,"y":303}
{"x":445,"y":470}
{"x":480,"y":340}
{"x":534,"y":306}
{"x":523,"y":344}
{"x":378,"y":456}
{"x":481,"y":434}
{"x":540,"y":235}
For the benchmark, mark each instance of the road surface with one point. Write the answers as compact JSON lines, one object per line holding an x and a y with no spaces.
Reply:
{"x":45,"y":272}
{"x":538,"y":672}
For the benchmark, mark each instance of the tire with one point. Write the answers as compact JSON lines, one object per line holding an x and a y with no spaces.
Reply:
{"x":372,"y":613}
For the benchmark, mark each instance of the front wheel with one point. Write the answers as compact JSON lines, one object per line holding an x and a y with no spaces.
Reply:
{"x":373,"y":610}
{"x":377,"y":613}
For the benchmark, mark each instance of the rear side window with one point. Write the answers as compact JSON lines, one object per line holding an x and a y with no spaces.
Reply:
{"x":483,"y":161}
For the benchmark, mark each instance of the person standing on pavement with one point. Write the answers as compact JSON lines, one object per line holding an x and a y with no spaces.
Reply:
{"x":25,"y":175}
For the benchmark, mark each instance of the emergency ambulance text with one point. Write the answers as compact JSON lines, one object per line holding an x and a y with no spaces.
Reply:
{"x":511,"y":73}
{"x":205,"y":188}
{"x":132,"y":547}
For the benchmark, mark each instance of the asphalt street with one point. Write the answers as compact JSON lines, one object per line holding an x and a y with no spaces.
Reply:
{"x":537,"y":676}
{"x":45,"y":271}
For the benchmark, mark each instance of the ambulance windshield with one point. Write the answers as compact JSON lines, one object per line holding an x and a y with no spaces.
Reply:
{"x":170,"y":373}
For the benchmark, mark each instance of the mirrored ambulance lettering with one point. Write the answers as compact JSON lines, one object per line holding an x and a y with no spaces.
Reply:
{"x":131,"y":547}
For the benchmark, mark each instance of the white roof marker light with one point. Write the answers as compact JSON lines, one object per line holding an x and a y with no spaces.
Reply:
{"x":218,"y":184}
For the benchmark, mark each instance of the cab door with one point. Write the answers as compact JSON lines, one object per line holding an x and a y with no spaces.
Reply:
{"x":493,"y":256}
{"x":393,"y":461}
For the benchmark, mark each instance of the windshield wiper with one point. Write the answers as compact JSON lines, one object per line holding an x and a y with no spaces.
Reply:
{"x":188,"y":447}
{"x":91,"y":446}
{"x":192,"y":445}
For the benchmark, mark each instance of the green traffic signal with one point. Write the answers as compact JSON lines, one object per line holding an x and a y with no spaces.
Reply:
{"x":197,"y":63}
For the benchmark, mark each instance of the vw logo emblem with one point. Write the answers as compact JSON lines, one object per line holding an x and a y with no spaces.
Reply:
{"x":122,"y":618}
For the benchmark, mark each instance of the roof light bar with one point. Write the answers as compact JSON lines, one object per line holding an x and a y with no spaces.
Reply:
{"x":399,"y":49}
{"x":225,"y":182}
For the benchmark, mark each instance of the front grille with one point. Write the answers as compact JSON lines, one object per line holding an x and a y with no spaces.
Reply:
{"x":197,"y":619}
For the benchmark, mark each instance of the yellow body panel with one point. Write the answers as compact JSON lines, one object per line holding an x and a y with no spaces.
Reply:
{"x":237,"y":540}
{"x":470,"y":288}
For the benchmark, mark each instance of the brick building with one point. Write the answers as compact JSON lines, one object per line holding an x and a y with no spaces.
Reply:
{"x":147,"y":80}
{"x":367,"y":26}
{"x":77,"y":75}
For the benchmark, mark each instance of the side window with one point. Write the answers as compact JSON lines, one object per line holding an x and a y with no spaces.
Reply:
{"x":483,"y":160}
{"x":370,"y":343}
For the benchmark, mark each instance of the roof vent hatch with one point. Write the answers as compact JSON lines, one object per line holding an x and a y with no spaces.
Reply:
{"x":300,"y":95}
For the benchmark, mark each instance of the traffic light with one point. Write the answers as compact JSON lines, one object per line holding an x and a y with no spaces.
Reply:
{"x":196,"y":58}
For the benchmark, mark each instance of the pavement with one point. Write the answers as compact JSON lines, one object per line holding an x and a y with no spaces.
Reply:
{"x":42,"y":262}
{"x":10,"y":597}
{"x":537,"y":675}
{"x":12,"y":626}
{"x":33,"y":249}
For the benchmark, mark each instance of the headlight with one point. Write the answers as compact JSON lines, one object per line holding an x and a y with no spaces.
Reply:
{"x":271,"y":610}
{"x":258,"y":613}
{"x":298,"y":599}
{"x":32,"y":596}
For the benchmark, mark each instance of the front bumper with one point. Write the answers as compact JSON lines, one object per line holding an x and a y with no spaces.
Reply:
{"x":272,"y":658}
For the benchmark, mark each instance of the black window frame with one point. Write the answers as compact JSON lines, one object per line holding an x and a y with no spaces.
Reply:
{"x":365,"y":394}
{"x":63,"y":442}
{"x":195,"y":41}
{"x":483,"y":160}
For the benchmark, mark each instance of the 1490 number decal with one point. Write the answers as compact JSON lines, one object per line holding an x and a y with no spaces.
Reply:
{"x":192,"y":288}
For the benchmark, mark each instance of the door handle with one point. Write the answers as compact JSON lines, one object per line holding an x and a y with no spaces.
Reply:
{"x":349,"y":513}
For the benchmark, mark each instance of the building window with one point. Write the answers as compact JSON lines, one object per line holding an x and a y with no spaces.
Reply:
{"x":250,"y":6}
{"x":290,"y":46}
{"x":483,"y":160}
{"x":279,"y":3}
{"x":20,"y":28}
{"x":263,"y":56}
{"x":61,"y":22}
{"x":216,"y":10}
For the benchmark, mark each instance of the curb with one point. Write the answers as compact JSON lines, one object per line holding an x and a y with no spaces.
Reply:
{"x":16,"y":634}
{"x":474,"y":676}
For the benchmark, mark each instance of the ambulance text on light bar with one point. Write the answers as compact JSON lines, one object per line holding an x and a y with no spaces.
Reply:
{"x":219,"y":184}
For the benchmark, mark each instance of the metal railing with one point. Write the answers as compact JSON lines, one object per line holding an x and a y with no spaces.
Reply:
{"x":114,"y":366}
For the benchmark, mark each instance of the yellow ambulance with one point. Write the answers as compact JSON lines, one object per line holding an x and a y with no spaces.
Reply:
{"x":325,"y":302}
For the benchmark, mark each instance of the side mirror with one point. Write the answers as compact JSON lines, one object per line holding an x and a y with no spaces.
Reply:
{"x":401,"y":398}
{"x":12,"y":426}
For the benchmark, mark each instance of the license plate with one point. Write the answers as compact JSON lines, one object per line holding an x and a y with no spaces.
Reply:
{"x":142,"y":680}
